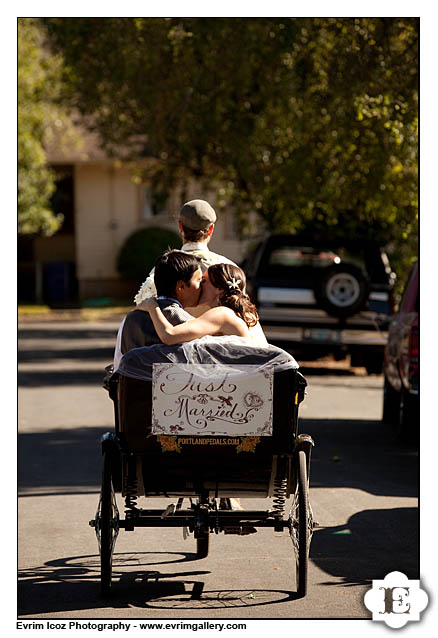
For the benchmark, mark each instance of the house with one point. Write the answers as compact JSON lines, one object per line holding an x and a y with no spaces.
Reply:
{"x":103,"y":204}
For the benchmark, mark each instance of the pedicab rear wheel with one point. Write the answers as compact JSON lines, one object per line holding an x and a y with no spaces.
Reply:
{"x":108,"y":524}
{"x":202,"y":545}
{"x":202,"y":532}
{"x":299,"y":524}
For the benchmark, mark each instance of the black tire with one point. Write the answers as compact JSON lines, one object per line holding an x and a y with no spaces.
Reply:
{"x":408,"y":426}
{"x":342,"y":290}
{"x":203,"y":545}
{"x":391,"y":404}
{"x":374,"y":364}
{"x":299,"y":524}
{"x":109,"y":525}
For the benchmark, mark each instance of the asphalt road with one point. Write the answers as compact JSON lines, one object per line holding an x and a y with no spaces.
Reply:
{"x":364,"y":487}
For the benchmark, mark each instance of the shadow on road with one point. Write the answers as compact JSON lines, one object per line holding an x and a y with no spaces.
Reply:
{"x":361,"y":454}
{"x":326,"y":370}
{"x":43,"y":378}
{"x":365,"y":455}
{"x":60,"y":458}
{"x":372,"y":544}
{"x":70,"y":376}
{"x":72,"y":584}
{"x":81,"y":331}
{"x":52,"y":353}
{"x":358,"y":454}
{"x":99,"y":353}
{"x":347,"y":453}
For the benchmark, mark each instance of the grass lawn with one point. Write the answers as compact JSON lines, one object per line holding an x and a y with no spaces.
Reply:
{"x":45,"y":313}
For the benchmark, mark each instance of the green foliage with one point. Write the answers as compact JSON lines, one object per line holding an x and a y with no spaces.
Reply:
{"x":38,"y":88}
{"x":140,"y":251}
{"x":311,"y":122}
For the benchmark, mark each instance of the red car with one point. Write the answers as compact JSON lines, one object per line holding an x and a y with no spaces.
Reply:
{"x":401,"y":405}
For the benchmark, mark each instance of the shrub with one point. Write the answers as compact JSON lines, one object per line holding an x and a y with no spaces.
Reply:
{"x":141,"y":249}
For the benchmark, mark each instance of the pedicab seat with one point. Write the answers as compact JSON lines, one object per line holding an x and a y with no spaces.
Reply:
{"x":178,"y":464}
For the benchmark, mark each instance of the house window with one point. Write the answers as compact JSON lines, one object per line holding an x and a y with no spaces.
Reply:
{"x":62,"y":200}
{"x":154,"y":202}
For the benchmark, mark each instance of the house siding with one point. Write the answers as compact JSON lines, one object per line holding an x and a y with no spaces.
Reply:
{"x":106,"y":213}
{"x":108,"y":208}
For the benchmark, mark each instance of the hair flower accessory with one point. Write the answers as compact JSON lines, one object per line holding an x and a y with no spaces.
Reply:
{"x":233,"y":284}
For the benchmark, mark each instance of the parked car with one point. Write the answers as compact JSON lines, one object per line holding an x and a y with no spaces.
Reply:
{"x":401,"y":364}
{"x":323,"y":295}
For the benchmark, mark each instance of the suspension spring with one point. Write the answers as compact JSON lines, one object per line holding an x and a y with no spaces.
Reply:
{"x":280,"y":491}
{"x":131,"y":500}
{"x":131,"y":491}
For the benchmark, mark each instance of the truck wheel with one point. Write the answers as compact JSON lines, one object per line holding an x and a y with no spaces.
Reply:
{"x":391,"y":404}
{"x":342,"y":290}
{"x":409,"y":418}
{"x":374,"y":364}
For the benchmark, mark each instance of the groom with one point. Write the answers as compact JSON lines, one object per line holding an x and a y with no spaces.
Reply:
{"x":178,"y":278}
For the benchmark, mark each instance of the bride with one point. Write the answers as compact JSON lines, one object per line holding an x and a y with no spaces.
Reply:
{"x":231,"y":311}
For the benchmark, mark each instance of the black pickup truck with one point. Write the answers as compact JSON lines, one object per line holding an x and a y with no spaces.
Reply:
{"x":322,"y":296}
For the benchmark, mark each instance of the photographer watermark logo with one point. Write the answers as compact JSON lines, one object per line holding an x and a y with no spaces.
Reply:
{"x":396,"y":600}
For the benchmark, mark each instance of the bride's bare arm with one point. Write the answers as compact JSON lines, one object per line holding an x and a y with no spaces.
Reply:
{"x":197,"y":311}
{"x":219,"y":320}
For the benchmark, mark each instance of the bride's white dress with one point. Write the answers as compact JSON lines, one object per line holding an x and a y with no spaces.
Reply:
{"x":223,"y":352}
{"x":257,"y":337}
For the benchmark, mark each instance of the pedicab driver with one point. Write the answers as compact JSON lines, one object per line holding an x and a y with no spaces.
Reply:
{"x":196,"y":225}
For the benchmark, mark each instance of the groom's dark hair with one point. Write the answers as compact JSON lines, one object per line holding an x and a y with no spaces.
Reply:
{"x":173,"y":266}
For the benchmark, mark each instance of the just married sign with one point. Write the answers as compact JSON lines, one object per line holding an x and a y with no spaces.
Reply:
{"x":186,"y":403}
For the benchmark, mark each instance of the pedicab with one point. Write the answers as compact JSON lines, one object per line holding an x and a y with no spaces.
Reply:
{"x":201,"y":424}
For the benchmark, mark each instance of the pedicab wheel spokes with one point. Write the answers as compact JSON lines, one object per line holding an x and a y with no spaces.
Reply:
{"x":107,"y":525}
{"x":301,"y":524}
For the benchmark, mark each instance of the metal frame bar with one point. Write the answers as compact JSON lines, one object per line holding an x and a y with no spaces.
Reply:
{"x":214,"y":519}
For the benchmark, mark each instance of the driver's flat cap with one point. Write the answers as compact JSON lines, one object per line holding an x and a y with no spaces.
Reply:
{"x":197,"y":214}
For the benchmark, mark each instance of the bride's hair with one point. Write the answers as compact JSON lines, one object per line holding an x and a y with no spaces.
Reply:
{"x":231,"y":279}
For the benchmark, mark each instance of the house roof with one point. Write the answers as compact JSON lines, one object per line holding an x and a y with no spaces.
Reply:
{"x":71,"y":142}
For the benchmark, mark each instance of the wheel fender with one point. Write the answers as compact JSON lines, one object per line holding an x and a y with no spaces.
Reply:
{"x":305,"y":443}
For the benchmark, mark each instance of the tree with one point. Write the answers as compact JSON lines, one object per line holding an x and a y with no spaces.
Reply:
{"x":311,"y":122}
{"x":140,"y":250}
{"x":38,"y":89}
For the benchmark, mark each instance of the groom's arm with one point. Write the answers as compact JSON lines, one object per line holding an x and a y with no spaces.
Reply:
{"x":138,"y":329}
